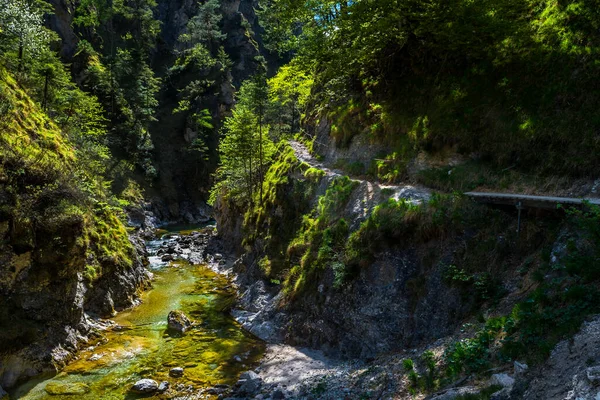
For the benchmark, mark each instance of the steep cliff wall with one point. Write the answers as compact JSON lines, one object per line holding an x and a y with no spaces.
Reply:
{"x":63,"y":250}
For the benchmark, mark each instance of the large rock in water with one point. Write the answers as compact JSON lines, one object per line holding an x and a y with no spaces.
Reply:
{"x":178,"y":321}
{"x":145,"y":386}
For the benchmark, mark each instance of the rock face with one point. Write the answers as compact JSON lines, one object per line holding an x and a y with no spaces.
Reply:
{"x":45,"y":301}
{"x":178,"y":322}
{"x":395,"y":301}
{"x":454,"y":393}
{"x":360,"y":320}
{"x":145,"y":386}
{"x":248,"y":384}
{"x":573,"y":369}
{"x":503,"y":380}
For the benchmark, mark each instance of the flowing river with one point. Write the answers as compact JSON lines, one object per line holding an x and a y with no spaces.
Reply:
{"x":214,"y":352}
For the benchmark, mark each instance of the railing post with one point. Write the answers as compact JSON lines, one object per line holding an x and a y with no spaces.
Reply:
{"x":519,"y":208}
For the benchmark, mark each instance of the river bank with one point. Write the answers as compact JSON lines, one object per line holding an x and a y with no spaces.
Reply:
{"x":136,"y":343}
{"x":193,"y":271}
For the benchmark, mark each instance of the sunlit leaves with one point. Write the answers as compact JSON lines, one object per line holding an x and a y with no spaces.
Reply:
{"x":22,"y":32}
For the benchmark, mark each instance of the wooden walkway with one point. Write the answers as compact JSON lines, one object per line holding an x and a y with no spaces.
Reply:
{"x":528,"y":201}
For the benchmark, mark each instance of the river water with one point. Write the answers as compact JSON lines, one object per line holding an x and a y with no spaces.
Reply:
{"x":214,"y":352}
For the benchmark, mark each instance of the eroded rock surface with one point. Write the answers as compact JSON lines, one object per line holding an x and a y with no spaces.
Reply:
{"x":571,"y":372}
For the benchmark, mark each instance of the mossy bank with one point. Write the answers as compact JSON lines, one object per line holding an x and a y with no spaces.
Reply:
{"x":64,"y":250}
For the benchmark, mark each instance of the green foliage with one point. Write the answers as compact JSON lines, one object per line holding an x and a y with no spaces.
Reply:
{"x":418,"y":382}
{"x":23,"y":37}
{"x":473,"y":355}
{"x":320,"y":242}
{"x":428,"y":359}
{"x":120,"y":36}
{"x":289,"y":93}
{"x":481,"y":283}
{"x":273,"y":223}
{"x":565,"y":296}
{"x":203,"y":28}
{"x":353,"y":168}
{"x":245,"y":149}
{"x":511,"y":77}
{"x":390,"y":221}
{"x":314,"y":173}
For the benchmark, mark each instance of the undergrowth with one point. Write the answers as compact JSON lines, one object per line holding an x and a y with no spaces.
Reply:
{"x":320,"y":241}
{"x":567,"y":292}
{"x":53,"y":201}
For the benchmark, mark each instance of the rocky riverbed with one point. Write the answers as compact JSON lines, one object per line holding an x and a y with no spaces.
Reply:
{"x":138,"y":353}
{"x":208,"y":353}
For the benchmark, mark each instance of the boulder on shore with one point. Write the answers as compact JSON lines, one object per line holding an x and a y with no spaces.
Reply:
{"x":248,"y":384}
{"x":178,"y":321}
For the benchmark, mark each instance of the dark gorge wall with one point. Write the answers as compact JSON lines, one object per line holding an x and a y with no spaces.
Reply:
{"x":181,"y":187}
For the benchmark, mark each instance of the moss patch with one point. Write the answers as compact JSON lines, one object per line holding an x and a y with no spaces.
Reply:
{"x":55,"y":206}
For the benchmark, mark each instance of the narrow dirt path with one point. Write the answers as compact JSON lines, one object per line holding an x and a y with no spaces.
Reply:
{"x":411,"y":193}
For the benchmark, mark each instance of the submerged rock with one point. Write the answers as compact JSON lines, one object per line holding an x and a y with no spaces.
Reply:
{"x":3,"y":393}
{"x":164,"y":385}
{"x":145,"y":386}
{"x":64,"y":389}
{"x":176,"y":372}
{"x":178,"y":321}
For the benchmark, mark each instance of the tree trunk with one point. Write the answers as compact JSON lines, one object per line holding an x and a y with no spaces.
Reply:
{"x":45,"y":99}
{"x":20,"y":65}
{"x":293,"y":118}
{"x":260,"y":155}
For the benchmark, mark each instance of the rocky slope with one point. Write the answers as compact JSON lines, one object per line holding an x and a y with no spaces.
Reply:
{"x":434,"y":283}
